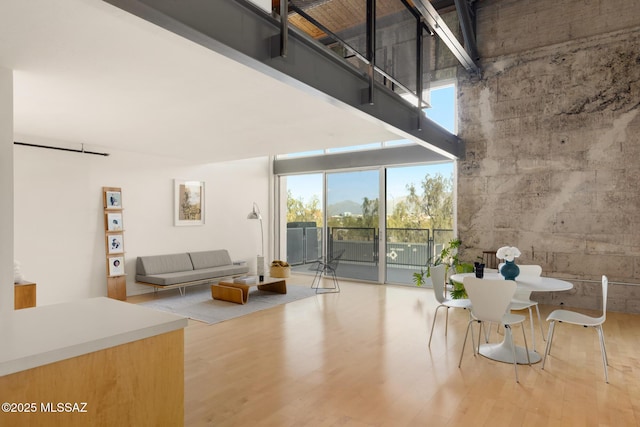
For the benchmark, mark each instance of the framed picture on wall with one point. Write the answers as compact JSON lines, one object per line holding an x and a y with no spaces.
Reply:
{"x":115,"y":243}
{"x":116,"y":265}
{"x":114,"y":221}
{"x":188,"y":202}
{"x":113,"y":200}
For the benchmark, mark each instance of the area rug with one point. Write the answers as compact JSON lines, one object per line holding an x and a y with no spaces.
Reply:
{"x":197,"y":304}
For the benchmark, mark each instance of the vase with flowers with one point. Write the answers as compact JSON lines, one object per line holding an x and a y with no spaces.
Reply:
{"x":510,"y":269}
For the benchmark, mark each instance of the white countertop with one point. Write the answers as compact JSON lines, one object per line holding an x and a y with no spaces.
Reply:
{"x":38,"y":336}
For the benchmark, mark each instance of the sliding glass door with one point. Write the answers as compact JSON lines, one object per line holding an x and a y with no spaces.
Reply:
{"x":335,"y":214}
{"x":352,"y":223}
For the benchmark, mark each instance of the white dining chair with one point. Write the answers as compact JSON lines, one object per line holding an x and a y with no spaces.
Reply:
{"x":522,"y":299}
{"x":490,"y":301}
{"x":574,"y":318}
{"x":438,"y":273}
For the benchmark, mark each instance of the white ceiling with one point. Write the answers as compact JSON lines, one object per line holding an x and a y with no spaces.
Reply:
{"x":88,"y":73}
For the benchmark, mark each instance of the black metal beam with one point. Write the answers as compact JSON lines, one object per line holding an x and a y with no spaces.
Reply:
{"x":442,"y":30}
{"x":243,"y":32}
{"x":467,"y":24}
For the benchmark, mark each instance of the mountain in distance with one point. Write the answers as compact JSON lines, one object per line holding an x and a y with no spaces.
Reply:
{"x":340,"y":208}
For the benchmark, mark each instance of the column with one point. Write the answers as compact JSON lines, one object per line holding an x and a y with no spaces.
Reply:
{"x":6,"y":190}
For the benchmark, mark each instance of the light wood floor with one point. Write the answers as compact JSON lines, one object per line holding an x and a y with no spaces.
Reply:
{"x":360,"y":358}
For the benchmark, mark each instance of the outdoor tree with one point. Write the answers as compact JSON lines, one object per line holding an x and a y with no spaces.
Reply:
{"x":433,"y":207}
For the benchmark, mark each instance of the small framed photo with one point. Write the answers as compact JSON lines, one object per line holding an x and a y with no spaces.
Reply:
{"x":115,"y":243}
{"x":116,"y":265}
{"x":188,"y":202}
{"x":113,"y":200}
{"x":114,"y":221}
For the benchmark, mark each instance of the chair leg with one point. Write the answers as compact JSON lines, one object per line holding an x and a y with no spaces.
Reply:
{"x":604,"y":353}
{"x":507,"y":330}
{"x":533,"y":337}
{"x":526,"y":347}
{"x":446,"y":322}
{"x":547,"y":349}
{"x":540,"y":322}
{"x":464,"y":343}
{"x":433,"y":324}
{"x":318,"y":277}
{"x":480,"y":336}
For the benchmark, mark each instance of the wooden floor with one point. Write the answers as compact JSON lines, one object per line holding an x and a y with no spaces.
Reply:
{"x":360,"y":358}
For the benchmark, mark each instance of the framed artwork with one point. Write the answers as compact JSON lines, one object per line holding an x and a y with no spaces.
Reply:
{"x":114,"y":221}
{"x":115,"y":243}
{"x":188,"y":202}
{"x":113,"y":200}
{"x":116,"y":265}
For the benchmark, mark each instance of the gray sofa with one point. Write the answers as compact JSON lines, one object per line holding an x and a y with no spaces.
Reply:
{"x":184,"y":269}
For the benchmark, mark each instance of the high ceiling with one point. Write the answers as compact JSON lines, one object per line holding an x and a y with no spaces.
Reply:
{"x":88,"y":73}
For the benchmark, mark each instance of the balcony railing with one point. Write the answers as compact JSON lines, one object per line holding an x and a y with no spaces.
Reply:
{"x":405,"y":247}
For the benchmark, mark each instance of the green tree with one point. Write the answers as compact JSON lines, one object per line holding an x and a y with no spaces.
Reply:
{"x":433,"y":208}
{"x":299,"y":211}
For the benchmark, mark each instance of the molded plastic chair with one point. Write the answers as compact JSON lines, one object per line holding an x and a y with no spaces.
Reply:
{"x":490,"y":301}
{"x":438,"y":273}
{"x":327,"y":268}
{"x":568,"y":316}
{"x":522,"y":299}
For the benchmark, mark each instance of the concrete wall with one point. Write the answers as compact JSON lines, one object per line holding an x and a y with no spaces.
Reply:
{"x":553,"y":137}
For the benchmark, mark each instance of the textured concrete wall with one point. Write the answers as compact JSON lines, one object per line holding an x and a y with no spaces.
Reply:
{"x":552,"y":129}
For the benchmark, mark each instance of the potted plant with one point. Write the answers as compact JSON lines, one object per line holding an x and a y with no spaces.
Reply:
{"x":448,"y":256}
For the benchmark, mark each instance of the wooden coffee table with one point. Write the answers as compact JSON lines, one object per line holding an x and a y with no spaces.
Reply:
{"x":239,"y":292}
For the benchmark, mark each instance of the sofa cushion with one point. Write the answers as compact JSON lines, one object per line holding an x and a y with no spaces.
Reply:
{"x":161,"y":264}
{"x":176,"y":277}
{"x":208,"y":259}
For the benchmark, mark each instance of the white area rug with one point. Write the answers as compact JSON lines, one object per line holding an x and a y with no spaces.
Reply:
{"x":197,"y":304}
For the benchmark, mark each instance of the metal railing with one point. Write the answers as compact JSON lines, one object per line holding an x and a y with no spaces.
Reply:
{"x":410,"y":247}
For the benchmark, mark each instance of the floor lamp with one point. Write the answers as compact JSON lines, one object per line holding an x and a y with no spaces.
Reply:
{"x":255,"y":214}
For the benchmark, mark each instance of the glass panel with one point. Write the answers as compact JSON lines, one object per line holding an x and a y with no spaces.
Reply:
{"x":443,"y":107}
{"x":304,"y":219}
{"x":352,"y":219}
{"x":419,"y":205}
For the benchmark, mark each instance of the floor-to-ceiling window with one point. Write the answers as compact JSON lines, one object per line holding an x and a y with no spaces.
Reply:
{"x":419,"y":211}
{"x":386,"y":218}
{"x":353,"y":200}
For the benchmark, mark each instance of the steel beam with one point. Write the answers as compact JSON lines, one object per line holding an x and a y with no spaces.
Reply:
{"x":463,"y":8}
{"x":442,"y":30}
{"x":243,"y":32}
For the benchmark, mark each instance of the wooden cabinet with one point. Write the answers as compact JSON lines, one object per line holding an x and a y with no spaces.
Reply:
{"x":24,"y":295}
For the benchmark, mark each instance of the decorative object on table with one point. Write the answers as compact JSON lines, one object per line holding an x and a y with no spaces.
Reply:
{"x":509,"y":270}
{"x":280,"y":269}
{"x":188,"y":205}
{"x":114,"y":242}
{"x":478,"y":268}
{"x":246,"y":280}
{"x":255,"y":214}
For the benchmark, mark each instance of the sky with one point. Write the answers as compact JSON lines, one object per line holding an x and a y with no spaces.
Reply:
{"x":357,"y":185}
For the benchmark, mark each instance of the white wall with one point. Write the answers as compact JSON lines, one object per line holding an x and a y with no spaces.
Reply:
{"x":59,"y":221}
{"x":6,"y":190}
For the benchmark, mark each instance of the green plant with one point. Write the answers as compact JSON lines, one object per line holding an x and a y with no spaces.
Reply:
{"x":448,"y":256}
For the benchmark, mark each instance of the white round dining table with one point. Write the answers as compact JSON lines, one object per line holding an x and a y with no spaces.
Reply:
{"x":502,"y":351}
